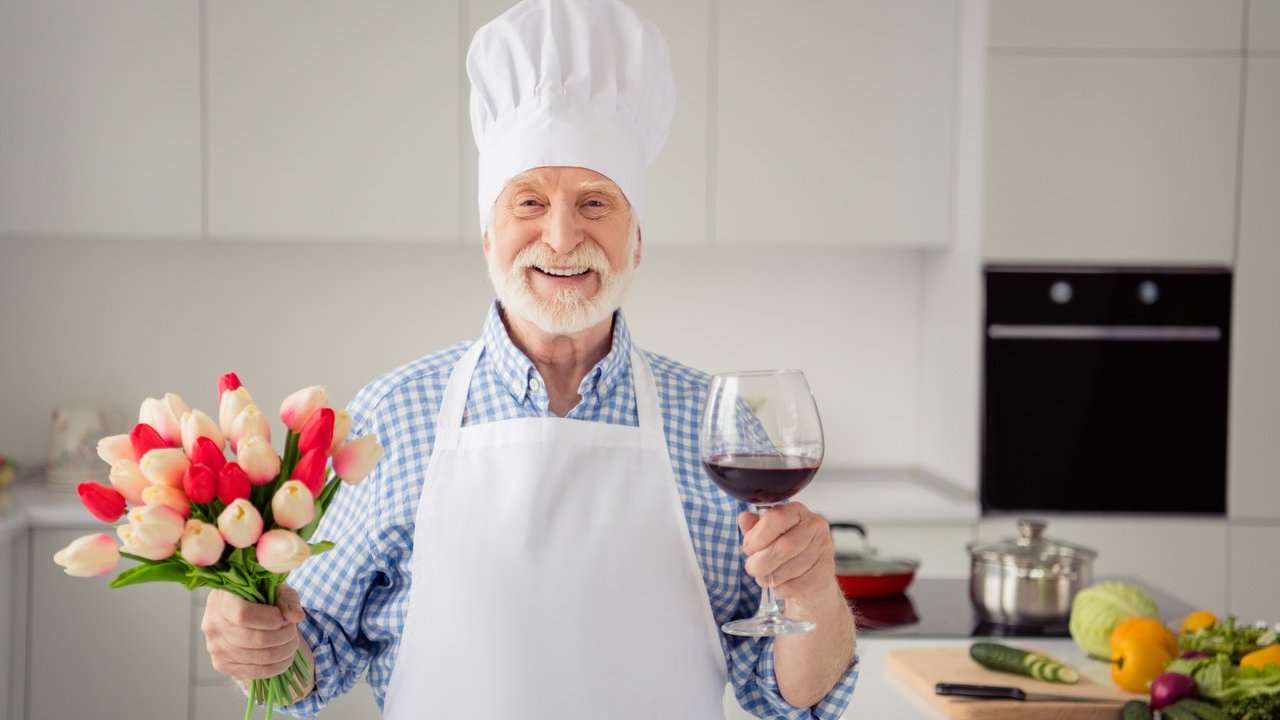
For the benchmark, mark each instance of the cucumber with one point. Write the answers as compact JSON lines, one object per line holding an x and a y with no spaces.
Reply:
{"x":1135,"y":710}
{"x":1202,"y":710}
{"x":1012,"y":660}
{"x":1177,"y":712}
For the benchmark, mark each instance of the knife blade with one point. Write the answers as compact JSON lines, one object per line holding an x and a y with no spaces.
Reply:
{"x":1000,"y":692}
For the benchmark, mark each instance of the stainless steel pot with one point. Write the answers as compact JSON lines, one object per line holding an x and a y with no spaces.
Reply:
{"x":1030,"y":580}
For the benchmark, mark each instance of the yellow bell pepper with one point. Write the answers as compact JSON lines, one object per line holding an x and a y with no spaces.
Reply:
{"x":1135,"y":662}
{"x":1148,"y":631}
{"x":1261,"y":658}
{"x":1198,"y":620}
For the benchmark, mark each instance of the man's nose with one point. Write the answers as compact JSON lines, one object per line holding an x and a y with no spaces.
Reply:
{"x":562,"y":233}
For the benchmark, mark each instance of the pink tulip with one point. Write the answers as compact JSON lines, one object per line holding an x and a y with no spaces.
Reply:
{"x":229,"y":381}
{"x":310,"y":470}
{"x":249,"y":423}
{"x":127,"y":477}
{"x":317,"y":431}
{"x":144,"y":438}
{"x":341,"y":428}
{"x":354,"y":460}
{"x":104,"y":503}
{"x":155,"y":524}
{"x":206,"y":453}
{"x":164,"y":466}
{"x":165,"y":416}
{"x":233,"y":484}
{"x":116,"y":447}
{"x":89,"y":556}
{"x":229,"y":407}
{"x":202,"y":544}
{"x":258,"y":460}
{"x":240,"y":524}
{"x":136,"y":543}
{"x":170,"y":497}
{"x":296,"y":408}
{"x":280,"y":551}
{"x":197,"y":424}
{"x":200,"y":483}
{"x":293,"y":506}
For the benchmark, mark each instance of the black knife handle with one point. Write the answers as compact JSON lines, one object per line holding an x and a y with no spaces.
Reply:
{"x":990,"y":692}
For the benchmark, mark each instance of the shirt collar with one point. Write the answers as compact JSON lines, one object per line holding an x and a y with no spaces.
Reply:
{"x":514,"y":369}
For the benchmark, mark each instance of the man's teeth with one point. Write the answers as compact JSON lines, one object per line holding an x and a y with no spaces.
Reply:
{"x":564,"y":272}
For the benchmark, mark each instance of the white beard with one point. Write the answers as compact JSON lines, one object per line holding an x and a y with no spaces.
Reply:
{"x":568,"y":312}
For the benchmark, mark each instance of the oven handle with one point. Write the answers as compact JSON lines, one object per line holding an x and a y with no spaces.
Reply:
{"x":1128,"y":333}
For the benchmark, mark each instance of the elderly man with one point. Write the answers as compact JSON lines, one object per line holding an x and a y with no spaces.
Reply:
{"x":540,"y":539}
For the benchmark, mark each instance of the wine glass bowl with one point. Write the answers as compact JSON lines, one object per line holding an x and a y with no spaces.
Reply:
{"x":761,"y":443}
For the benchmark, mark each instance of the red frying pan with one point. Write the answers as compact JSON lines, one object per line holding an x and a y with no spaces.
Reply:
{"x":864,"y":574}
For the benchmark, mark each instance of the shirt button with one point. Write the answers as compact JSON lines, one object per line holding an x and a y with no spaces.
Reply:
{"x":534,"y":385}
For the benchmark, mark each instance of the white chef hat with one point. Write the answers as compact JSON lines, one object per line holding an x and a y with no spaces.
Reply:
{"x":582,"y":83}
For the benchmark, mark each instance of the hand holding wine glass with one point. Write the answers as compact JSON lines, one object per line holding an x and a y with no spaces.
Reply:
{"x":761,"y":442}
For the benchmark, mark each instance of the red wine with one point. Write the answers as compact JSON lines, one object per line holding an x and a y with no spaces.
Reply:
{"x":761,"y":479}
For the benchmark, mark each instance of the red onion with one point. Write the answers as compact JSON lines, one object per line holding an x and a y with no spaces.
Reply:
{"x":1169,"y":688}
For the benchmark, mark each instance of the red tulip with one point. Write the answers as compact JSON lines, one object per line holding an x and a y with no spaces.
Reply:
{"x":206,"y":452}
{"x":228,"y":382}
{"x":145,"y":438}
{"x":233,"y":484}
{"x":106,"y":503}
{"x":317,"y":431}
{"x":200,"y":483}
{"x":310,"y":470}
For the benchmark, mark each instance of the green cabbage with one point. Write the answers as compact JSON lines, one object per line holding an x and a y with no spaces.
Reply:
{"x":1097,"y":610}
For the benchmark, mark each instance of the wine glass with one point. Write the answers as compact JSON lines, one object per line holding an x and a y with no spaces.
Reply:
{"x":761,"y":442}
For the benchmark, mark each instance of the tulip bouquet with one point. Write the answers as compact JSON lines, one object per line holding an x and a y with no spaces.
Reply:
{"x":198,"y":518}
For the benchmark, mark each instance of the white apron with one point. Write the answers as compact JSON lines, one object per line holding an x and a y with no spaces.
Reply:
{"x":553,"y":575}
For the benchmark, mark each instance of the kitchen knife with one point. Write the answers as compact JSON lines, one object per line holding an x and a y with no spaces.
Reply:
{"x":999,"y":692}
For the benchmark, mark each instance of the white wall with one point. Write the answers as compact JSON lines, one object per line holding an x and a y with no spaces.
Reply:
{"x":109,"y":322}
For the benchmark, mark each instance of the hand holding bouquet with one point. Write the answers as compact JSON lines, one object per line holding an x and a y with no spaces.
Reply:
{"x":198,"y":518}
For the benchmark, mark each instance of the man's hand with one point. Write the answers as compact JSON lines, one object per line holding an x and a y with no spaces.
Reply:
{"x":794,"y":545}
{"x":248,"y":641}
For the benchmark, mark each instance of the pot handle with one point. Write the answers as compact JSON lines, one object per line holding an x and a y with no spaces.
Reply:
{"x":856,"y":527}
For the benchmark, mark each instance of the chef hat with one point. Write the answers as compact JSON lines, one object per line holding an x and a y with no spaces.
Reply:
{"x":582,"y":83}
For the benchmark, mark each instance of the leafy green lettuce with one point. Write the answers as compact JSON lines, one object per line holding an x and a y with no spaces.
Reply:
{"x":1218,"y":679}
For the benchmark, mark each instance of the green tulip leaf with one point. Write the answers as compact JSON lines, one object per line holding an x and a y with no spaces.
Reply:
{"x":320,"y":547}
{"x":167,"y":571}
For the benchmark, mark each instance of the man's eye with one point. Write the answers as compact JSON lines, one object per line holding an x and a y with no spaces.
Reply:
{"x":595,"y":203}
{"x":528,"y":202}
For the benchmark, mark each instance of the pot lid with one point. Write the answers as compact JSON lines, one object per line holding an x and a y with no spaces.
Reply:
{"x":865,"y":565}
{"x":1030,"y":547}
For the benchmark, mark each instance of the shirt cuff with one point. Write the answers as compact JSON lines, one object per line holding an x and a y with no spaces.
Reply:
{"x":830,"y":707}
{"x":326,"y":679}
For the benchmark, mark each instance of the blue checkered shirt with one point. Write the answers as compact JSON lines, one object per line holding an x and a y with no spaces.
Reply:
{"x":356,"y":596}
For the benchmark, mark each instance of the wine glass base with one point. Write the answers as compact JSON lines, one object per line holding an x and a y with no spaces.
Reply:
{"x":768,"y":626}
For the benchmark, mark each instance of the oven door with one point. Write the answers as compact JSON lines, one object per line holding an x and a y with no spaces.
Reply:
{"x":1105,"y":407}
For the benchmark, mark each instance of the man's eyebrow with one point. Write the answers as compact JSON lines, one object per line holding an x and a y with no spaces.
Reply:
{"x":527,"y":179}
{"x":599,"y":186}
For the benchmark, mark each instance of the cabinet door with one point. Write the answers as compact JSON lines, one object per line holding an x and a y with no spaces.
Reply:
{"x":333,"y":120}
{"x":19,"y":598}
{"x":102,"y":653}
{"x":100,"y":133}
{"x":9,"y":586}
{"x":1112,"y":24}
{"x":835,"y":122}
{"x":1101,"y":159}
{"x":1184,"y":558}
{"x":1254,"y":466}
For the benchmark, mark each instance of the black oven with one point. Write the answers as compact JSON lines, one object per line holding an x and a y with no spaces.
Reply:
{"x":1105,"y":390}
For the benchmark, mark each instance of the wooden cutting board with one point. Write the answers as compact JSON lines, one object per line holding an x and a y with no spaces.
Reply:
{"x":923,"y":668}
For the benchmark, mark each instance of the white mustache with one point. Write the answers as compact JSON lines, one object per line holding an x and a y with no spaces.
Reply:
{"x":588,"y":255}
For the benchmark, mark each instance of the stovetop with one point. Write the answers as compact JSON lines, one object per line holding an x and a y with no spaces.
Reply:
{"x":940,"y":607}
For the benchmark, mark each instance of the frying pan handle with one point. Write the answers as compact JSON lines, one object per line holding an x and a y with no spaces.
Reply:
{"x":856,"y":527}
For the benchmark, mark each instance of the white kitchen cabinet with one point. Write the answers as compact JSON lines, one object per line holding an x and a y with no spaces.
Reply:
{"x":1109,"y":159}
{"x":1111,"y":24}
{"x":835,"y":123}
{"x":102,"y":653}
{"x":1254,"y":464}
{"x":1181,"y":556}
{"x":1264,"y":24}
{"x":1255,"y":586}
{"x":9,"y":588}
{"x":676,"y":184}
{"x":333,"y":120}
{"x":100,"y":134}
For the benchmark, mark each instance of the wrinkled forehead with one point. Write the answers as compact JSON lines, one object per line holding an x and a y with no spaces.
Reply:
{"x":579,"y":181}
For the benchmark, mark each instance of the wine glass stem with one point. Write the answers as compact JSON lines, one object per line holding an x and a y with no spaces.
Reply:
{"x":769,"y":606}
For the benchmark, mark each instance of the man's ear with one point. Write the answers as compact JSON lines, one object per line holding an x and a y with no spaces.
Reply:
{"x":639,"y":245}
{"x":484,"y":242}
